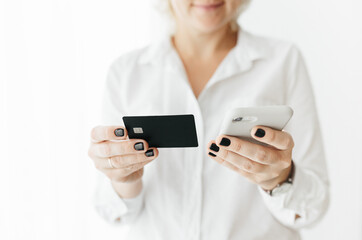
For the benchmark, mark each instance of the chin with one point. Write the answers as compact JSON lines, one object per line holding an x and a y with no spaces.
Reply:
{"x":209,"y":26}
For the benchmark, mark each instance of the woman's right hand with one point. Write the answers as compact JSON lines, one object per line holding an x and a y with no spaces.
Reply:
{"x":121,"y":161}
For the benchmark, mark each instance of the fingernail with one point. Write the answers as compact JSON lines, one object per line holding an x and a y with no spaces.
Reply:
{"x":225,"y":142}
{"x":149,"y":153}
{"x":139,"y":146}
{"x":119,"y":132}
{"x":260,"y":133}
{"x":214,"y":147}
{"x":211,"y":154}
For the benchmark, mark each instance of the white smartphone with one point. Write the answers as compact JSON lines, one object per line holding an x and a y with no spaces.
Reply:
{"x":238,"y":122}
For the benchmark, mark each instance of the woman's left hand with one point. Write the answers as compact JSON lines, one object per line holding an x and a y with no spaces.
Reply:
{"x":267,"y":166}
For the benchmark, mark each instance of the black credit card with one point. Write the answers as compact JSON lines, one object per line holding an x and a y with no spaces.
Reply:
{"x":163,"y":131}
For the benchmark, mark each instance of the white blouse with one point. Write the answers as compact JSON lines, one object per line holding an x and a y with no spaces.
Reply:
{"x":186,"y":194}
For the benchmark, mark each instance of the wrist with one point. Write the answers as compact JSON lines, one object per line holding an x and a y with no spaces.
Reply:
{"x":285,"y":175}
{"x":284,"y":181}
{"x":128,"y":189}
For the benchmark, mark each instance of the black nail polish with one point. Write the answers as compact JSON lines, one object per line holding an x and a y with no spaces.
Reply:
{"x":225,"y":142}
{"x":214,"y":147}
{"x":139,"y":146}
{"x":260,"y":133}
{"x":119,"y":132}
{"x":211,"y":154}
{"x":149,"y":153}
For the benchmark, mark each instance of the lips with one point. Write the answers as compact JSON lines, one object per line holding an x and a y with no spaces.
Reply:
{"x":208,"y":6}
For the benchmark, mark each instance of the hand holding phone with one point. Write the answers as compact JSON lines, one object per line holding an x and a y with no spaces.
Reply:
{"x":252,"y":144}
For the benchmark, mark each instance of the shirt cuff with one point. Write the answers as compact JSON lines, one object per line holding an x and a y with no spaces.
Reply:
{"x":307,"y":197}
{"x":112,"y":207}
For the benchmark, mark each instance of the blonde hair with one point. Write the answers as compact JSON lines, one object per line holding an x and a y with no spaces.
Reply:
{"x":165,"y":9}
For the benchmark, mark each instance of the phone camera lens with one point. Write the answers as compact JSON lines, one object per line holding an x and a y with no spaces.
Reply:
{"x":238,"y":119}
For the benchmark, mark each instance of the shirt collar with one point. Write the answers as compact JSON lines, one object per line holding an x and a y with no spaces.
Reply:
{"x":239,"y":59}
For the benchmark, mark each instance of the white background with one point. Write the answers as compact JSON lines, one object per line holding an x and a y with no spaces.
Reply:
{"x":54,"y":56}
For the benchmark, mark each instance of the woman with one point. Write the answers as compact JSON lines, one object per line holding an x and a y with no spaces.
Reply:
{"x":227,"y":188}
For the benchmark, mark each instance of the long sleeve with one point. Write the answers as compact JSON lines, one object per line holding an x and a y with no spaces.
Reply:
{"x":309,"y":195}
{"x":107,"y":202}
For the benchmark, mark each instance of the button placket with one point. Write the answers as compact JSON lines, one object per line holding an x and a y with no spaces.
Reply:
{"x":198,"y":170}
{"x":194,"y":160}
{"x":190,"y":203}
{"x":193,"y":177}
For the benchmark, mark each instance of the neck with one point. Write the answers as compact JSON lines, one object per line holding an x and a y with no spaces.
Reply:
{"x":193,"y":43}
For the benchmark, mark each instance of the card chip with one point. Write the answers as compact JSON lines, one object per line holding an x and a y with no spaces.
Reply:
{"x":137,"y":130}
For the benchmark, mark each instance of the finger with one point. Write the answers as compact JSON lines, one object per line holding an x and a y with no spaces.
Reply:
{"x":123,"y":161}
{"x":278,"y":139}
{"x":130,"y":178}
{"x":253,"y":151}
{"x":229,"y":165}
{"x":104,"y":133}
{"x":120,"y":173}
{"x":110,"y":149}
{"x":238,"y":160}
{"x":257,"y":178}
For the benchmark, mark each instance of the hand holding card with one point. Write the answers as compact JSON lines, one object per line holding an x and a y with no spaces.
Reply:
{"x":120,"y":159}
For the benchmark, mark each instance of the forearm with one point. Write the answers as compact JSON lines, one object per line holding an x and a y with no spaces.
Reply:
{"x":128,"y":190}
{"x":118,"y":203}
